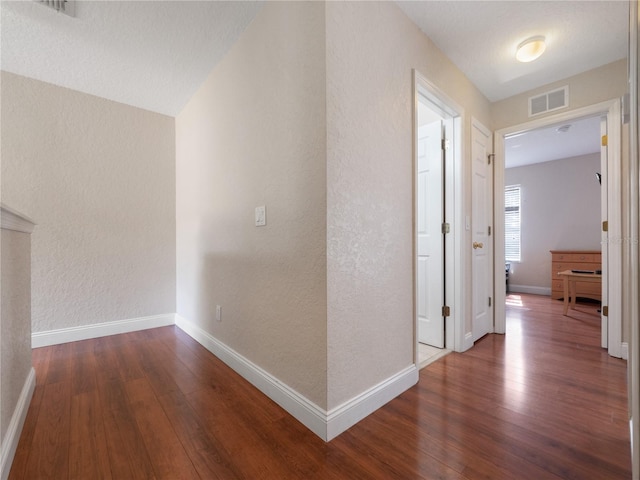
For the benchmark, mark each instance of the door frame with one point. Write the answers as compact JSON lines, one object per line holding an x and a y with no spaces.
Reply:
{"x":612,"y":110}
{"x":453,"y":241}
{"x":632,"y":275}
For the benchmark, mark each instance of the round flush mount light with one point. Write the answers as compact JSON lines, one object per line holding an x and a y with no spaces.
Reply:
{"x":530,"y":49}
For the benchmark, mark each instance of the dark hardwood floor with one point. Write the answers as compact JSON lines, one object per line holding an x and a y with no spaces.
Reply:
{"x":542,"y":402}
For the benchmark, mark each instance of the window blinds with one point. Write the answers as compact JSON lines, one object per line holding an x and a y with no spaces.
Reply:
{"x":512,"y":223}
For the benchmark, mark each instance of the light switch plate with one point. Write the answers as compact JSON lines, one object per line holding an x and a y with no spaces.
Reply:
{"x":261,"y":216}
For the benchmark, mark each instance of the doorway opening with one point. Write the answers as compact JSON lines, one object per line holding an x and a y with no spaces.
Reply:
{"x":605,"y":120}
{"x":437,"y":192}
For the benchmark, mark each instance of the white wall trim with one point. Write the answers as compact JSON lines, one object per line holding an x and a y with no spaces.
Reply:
{"x":532,"y":289}
{"x":14,"y":220}
{"x":85,"y":332}
{"x":611,"y":109}
{"x":345,"y":416}
{"x":307,"y":412}
{"x":614,"y":216}
{"x":11,"y":438}
{"x":468,"y":341}
{"x":624,"y":348}
{"x":326,"y":425}
{"x":454,"y":115}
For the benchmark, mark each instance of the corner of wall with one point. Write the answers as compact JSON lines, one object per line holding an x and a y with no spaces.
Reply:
{"x":11,"y":438}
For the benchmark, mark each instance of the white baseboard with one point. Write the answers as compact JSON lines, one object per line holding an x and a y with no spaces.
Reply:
{"x":625,"y":350}
{"x":85,"y":332}
{"x":307,"y":412}
{"x":345,"y":416}
{"x":467,"y":341}
{"x":11,"y":438}
{"x":326,"y":425}
{"x":529,"y":289}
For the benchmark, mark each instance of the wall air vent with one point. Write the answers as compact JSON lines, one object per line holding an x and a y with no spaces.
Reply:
{"x":68,"y":7}
{"x":549,"y":101}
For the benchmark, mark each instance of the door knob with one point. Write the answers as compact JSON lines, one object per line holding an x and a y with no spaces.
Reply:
{"x":477,"y":245}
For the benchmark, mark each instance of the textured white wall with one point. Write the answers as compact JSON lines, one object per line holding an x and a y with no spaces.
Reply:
{"x":560,"y":211}
{"x":15,"y":324}
{"x":595,"y":86}
{"x":254,"y":134}
{"x":372,"y":48}
{"x":99,"y":179}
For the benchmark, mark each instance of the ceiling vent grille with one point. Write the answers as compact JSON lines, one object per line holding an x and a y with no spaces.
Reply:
{"x":68,"y":7}
{"x":549,"y":101}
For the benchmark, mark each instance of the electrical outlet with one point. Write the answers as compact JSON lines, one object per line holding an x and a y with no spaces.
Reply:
{"x":218,"y":313}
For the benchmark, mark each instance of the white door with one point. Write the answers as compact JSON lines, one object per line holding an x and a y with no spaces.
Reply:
{"x":481,"y":225}
{"x":430,"y":284}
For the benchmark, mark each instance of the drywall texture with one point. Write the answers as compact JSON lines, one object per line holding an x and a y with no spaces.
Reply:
{"x":589,"y":88}
{"x":168,"y":54}
{"x":15,"y":321}
{"x":560,"y":208}
{"x":99,"y":177}
{"x":372,"y":48}
{"x":254,"y":134}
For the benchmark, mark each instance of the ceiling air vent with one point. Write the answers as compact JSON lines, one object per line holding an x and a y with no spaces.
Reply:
{"x":68,"y":7}
{"x":549,"y":101}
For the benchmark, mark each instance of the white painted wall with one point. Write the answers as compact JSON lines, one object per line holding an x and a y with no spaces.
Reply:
{"x":310,"y":114}
{"x":372,"y":48}
{"x":589,"y":88}
{"x":99,"y":178}
{"x":15,"y":325}
{"x":254,"y":134}
{"x":560,"y":208}
{"x":17,"y":377}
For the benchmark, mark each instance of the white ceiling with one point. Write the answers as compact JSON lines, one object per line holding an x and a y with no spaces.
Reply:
{"x":550,"y":143}
{"x":480,"y":38}
{"x":152,"y":55}
{"x":155,"y":54}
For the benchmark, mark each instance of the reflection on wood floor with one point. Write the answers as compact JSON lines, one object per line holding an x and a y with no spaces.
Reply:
{"x":543,"y":401}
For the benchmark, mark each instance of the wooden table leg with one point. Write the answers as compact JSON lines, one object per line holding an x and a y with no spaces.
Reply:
{"x":572,"y":293}
{"x":566,"y":295}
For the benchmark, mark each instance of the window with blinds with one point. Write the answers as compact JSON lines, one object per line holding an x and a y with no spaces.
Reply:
{"x":512,"y":223}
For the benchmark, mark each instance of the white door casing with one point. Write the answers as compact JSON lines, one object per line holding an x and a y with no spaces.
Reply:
{"x":614,"y":160}
{"x":604,"y":182}
{"x":455,"y":256}
{"x":612,"y":111}
{"x":632,"y":270}
{"x":481,"y":225}
{"x":430,"y":281}
{"x":456,"y":253}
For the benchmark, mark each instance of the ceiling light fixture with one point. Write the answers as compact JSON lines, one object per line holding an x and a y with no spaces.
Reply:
{"x":531,"y":49}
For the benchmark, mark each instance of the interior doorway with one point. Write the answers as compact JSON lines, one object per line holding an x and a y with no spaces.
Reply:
{"x":437,"y":193}
{"x":607,"y":114}
{"x":429,"y":220}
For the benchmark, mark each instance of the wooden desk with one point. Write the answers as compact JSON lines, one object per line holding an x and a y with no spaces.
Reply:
{"x":575,"y":260}
{"x":570,"y":280}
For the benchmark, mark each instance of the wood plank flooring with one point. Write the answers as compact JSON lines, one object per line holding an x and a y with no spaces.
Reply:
{"x":543,"y":401}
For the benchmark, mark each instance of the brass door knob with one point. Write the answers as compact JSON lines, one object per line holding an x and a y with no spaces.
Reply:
{"x":477,"y":245}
